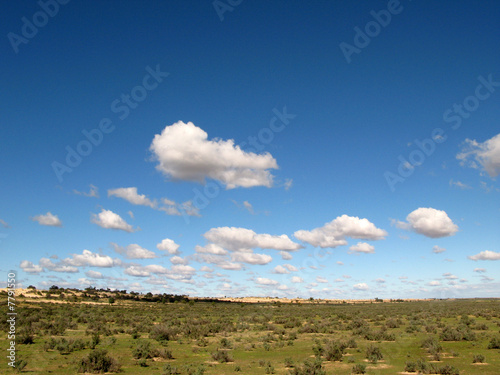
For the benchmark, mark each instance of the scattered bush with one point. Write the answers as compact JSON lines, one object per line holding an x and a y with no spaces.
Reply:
{"x":97,"y":362}
{"x":494,"y":343}
{"x":309,"y":368}
{"x":373,"y":353}
{"x":359,"y":369}
{"x":222,"y":356}
{"x":478,"y":358}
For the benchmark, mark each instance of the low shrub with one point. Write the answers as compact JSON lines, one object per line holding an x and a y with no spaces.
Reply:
{"x":359,"y":369}
{"x":98,"y":362}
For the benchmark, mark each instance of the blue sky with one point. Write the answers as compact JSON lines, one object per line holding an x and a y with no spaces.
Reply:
{"x":332,"y":150}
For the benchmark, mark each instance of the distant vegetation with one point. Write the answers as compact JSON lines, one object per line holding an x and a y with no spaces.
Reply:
{"x":66,"y":331}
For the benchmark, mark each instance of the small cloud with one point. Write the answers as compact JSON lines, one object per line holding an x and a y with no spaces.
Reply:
{"x":94,"y":274}
{"x":449,"y":260}
{"x":169,"y":246}
{"x":362,"y":247}
{"x":361,"y":286}
{"x":4,"y":224}
{"x":285,"y":255}
{"x":485,"y":255}
{"x":479,"y":270}
{"x":48,"y":219}
{"x":178,"y":260}
{"x":296,"y":279}
{"x":131,"y":214}
{"x":93,"y":192}
{"x":134,"y":251}
{"x":340,"y":263}
{"x":29,"y":267}
{"x":380,"y":281}
{"x":486,"y":155}
{"x":288,"y":183}
{"x":280,"y":270}
{"x":249,"y":207}
{"x":459,"y":184}
{"x":109,"y":220}
{"x":130,"y":195}
{"x":436,"y":249}
{"x":434,"y":283}
{"x":320,"y":279}
{"x":265,"y":281}
{"x":429,"y":222}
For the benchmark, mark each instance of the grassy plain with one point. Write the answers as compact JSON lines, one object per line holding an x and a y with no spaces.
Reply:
{"x":173,"y":335}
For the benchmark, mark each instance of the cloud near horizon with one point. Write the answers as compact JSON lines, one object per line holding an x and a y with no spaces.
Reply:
{"x":334,"y":233}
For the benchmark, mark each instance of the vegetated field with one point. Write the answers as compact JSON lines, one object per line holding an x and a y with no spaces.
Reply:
{"x":66,"y":332}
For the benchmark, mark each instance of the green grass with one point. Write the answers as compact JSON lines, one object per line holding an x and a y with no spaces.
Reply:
{"x":247,"y":328}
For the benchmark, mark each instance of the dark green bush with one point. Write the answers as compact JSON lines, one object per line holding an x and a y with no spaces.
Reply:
{"x":98,"y":362}
{"x":359,"y":369}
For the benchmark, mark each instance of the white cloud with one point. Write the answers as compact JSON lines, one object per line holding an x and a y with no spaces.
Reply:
{"x":211,"y":249}
{"x":251,"y":258}
{"x":434,"y":283}
{"x":178,"y":260}
{"x":479,"y":270}
{"x":280,"y":270}
{"x":296,"y":279}
{"x":265,"y":281}
{"x":177,"y":272}
{"x":286,"y":255}
{"x":362,"y":247}
{"x":485,"y":255}
{"x":109,"y":220}
{"x":288,"y":183}
{"x":436,"y":249}
{"x":241,"y":239}
{"x":380,"y":281}
{"x":29,"y":267}
{"x":206,"y":269}
{"x":429,"y":222}
{"x":169,"y":246}
{"x":88,"y":258}
{"x":137,"y":271}
{"x":248,"y":206}
{"x":93,"y":192}
{"x":340,"y":263}
{"x":321,"y":279}
{"x":361,"y":286}
{"x":94,"y":274}
{"x":134,"y":251}
{"x":130,"y":195}
{"x":48,"y":219}
{"x":56,"y":267}
{"x":184,"y":152}
{"x":290,"y":267}
{"x":486,"y":154}
{"x":459,"y":184}
{"x":334,"y":233}
{"x":449,"y":276}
